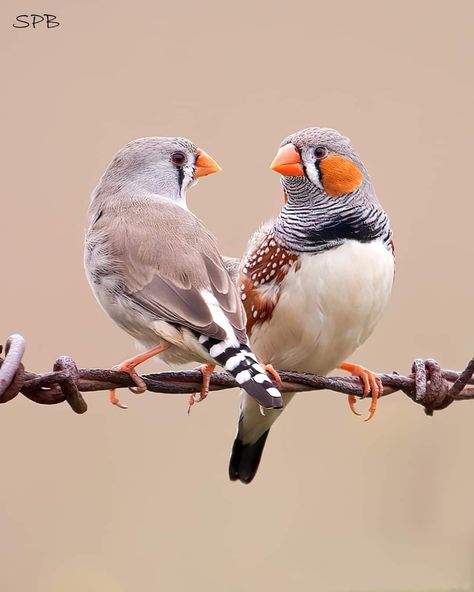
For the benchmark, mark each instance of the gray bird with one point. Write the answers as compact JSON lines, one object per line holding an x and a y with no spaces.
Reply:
{"x":157,"y":271}
{"x":315,"y":280}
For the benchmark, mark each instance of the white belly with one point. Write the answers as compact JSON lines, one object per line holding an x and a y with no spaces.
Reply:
{"x":327,"y":308}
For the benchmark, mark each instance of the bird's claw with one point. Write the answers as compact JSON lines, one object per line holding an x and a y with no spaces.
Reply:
{"x":139,"y":389}
{"x":194,"y":398}
{"x":377,"y":391}
{"x":352,"y":400}
{"x":371,"y":383}
{"x":115,"y":400}
{"x":206,"y":370}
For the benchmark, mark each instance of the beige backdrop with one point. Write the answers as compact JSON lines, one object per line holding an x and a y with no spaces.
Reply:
{"x":119,"y":501}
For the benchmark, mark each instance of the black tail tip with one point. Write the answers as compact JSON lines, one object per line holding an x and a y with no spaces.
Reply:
{"x":277,"y":403}
{"x":245,"y":459}
{"x":271,"y":402}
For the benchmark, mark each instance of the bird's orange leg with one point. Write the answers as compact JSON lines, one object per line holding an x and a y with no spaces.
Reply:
{"x":206,"y":370}
{"x":129,"y":366}
{"x":371,"y":382}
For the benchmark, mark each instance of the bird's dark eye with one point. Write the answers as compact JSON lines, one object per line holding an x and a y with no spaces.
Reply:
{"x":178,"y":158}
{"x":320,"y":152}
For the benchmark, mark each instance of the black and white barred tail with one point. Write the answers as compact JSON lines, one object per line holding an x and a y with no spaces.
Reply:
{"x":244,"y":367}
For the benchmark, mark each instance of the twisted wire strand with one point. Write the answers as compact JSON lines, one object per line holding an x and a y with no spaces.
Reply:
{"x":428,"y":384}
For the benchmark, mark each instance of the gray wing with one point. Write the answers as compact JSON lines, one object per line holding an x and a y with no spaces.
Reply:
{"x":186,"y":306}
{"x":167,"y":259}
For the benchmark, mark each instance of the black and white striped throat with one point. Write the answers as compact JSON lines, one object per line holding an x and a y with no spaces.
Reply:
{"x":312,"y":222}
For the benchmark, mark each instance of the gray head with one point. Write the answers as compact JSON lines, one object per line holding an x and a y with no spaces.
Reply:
{"x":324,"y":161}
{"x":157,"y":165}
{"x":328,"y":193}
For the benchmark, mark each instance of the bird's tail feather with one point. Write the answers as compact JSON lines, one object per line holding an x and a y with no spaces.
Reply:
{"x":251,"y":437}
{"x":244,"y":367}
{"x":245,"y":458}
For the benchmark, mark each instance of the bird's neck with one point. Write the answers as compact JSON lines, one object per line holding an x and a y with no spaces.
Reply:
{"x":312,"y":221}
{"x":145,"y":182}
{"x":164,"y":187}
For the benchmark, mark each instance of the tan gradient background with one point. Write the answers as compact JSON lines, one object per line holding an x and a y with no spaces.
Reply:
{"x":139,"y":500}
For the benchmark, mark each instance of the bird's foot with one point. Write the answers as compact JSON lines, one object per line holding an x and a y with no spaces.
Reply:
{"x":372,"y":384}
{"x":269,"y":369}
{"x":206,"y":370}
{"x":129,"y":366}
{"x":138,"y":380}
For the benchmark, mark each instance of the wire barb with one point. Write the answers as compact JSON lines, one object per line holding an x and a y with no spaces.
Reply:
{"x":428,"y":384}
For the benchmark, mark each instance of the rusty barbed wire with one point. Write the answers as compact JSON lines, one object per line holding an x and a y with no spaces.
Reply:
{"x":428,"y":384}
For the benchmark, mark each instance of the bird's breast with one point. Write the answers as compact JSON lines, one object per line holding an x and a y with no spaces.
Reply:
{"x":261,"y":275}
{"x":324,"y":307}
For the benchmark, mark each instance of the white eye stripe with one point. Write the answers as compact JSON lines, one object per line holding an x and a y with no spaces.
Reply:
{"x":313,"y":174}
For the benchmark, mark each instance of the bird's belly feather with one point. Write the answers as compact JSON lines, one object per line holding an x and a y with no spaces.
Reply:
{"x":327,"y":308}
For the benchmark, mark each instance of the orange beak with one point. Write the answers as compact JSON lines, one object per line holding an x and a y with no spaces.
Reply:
{"x":205,"y":165}
{"x":288,"y":162}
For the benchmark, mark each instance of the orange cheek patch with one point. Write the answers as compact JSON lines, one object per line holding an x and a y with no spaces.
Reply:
{"x":339,"y":175}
